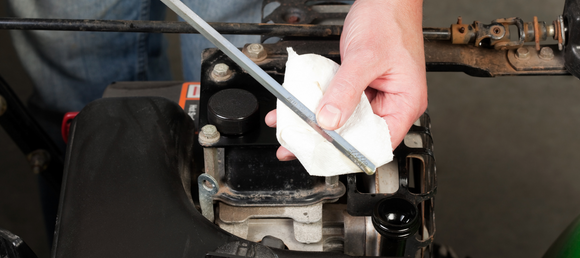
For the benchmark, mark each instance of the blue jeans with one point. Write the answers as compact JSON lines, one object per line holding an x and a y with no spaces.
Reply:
{"x":71,"y":69}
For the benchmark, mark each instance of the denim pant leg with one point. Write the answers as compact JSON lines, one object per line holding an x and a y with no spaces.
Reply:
{"x":192,"y":45}
{"x":71,"y":69}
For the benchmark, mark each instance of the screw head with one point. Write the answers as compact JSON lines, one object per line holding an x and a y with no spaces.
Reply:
{"x":523,"y":53}
{"x":546,"y":53}
{"x":256,"y":52}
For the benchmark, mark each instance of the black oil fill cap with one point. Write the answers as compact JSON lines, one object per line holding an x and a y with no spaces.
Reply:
{"x":233,"y":111}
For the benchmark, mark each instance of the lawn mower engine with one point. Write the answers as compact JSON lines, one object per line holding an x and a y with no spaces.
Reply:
{"x":190,"y":168}
{"x":260,"y":198}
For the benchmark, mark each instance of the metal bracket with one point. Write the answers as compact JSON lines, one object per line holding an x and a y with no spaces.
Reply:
{"x":208,"y":187}
{"x":528,"y":59}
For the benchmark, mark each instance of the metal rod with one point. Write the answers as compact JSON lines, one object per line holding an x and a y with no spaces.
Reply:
{"x":270,"y":84}
{"x":267,"y":29}
{"x":436,"y":33}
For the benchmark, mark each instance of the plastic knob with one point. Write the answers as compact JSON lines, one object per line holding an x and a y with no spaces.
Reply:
{"x":233,"y":111}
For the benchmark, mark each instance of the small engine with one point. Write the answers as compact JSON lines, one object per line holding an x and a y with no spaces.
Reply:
{"x":249,"y":193}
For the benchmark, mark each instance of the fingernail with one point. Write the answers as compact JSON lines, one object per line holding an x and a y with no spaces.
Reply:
{"x":329,"y":116}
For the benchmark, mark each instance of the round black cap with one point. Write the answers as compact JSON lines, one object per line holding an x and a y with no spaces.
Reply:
{"x":233,"y":111}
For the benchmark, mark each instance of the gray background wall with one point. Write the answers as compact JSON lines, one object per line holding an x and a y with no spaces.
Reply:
{"x":506,"y":148}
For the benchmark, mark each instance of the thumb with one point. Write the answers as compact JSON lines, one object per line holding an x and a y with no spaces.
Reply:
{"x":344,"y":92}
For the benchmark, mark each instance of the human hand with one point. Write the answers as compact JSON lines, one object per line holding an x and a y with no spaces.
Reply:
{"x":382,"y":54}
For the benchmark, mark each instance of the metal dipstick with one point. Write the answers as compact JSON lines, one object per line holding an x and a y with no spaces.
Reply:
{"x":270,"y":84}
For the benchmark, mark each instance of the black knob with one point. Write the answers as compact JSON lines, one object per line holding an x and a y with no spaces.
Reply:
{"x":233,"y":111}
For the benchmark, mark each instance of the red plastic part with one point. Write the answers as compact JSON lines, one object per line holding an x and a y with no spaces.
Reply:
{"x":66,"y":121}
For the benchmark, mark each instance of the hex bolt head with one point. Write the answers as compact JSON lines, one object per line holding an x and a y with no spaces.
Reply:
{"x":546,"y":53}
{"x":209,"y":131}
{"x":256,"y":52}
{"x":523,"y":53}
{"x":221,"y":70}
{"x":208,"y":135}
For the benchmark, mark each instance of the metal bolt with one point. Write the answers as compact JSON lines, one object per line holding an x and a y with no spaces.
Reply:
{"x":256,"y":52}
{"x":546,"y":53}
{"x":3,"y":105}
{"x":209,"y":131}
{"x":209,"y":135}
{"x":221,"y":70}
{"x":523,"y":53}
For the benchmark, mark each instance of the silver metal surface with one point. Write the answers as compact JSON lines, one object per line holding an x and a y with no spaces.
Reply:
{"x":207,"y":186}
{"x":323,"y":231}
{"x":303,"y":214}
{"x":213,"y":160}
{"x":270,"y":84}
{"x":282,"y":228}
{"x":550,"y":31}
{"x":387,"y":178}
{"x":562,"y":33}
{"x":306,"y":221}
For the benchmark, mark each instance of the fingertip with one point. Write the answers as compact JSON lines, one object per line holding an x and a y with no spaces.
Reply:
{"x":398,"y":129}
{"x":284,"y":154}
{"x":396,"y":141}
{"x":271,"y":118}
{"x":329,"y":117}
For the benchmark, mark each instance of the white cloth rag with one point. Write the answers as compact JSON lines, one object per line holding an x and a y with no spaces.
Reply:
{"x":307,"y":77}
